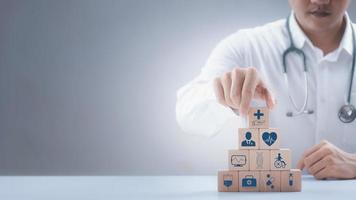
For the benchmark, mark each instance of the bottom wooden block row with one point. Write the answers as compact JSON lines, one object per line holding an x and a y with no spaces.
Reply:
{"x":260,"y":181}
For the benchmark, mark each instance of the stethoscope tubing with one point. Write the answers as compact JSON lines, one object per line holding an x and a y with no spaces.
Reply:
{"x":347,"y":112}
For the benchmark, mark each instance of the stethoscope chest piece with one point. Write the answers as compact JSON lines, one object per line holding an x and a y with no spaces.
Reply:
{"x":347,"y":113}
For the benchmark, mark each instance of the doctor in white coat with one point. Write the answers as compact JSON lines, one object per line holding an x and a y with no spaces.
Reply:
{"x":305,"y":98}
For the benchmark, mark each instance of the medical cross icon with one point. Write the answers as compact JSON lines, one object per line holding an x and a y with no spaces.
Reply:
{"x":258,"y":114}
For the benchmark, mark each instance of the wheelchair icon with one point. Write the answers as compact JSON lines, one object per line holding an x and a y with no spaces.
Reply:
{"x":279,"y":162}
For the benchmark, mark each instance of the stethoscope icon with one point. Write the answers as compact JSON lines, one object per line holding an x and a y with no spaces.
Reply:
{"x":347,"y":112}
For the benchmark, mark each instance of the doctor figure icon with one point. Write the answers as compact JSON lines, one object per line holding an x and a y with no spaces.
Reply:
{"x":248,"y":142}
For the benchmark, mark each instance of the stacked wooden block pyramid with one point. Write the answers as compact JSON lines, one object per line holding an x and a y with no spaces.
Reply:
{"x":259,"y":164}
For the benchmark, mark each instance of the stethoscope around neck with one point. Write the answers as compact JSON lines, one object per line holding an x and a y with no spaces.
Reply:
{"x":347,"y":112}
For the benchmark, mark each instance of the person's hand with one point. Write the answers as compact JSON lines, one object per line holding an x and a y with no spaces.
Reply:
{"x":326,"y":161}
{"x":237,"y":88}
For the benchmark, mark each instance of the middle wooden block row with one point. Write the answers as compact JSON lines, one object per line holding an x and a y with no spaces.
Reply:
{"x":253,"y":138}
{"x":276,"y":159}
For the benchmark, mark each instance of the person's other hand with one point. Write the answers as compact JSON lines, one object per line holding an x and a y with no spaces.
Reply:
{"x":326,"y":161}
{"x":237,"y":88}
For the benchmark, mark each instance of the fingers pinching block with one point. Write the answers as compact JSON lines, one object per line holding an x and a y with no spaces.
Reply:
{"x":260,"y":159}
{"x":269,"y":138}
{"x":291,"y":181}
{"x":248,"y":138}
{"x":258,"y":117}
{"x":249,"y":181}
{"x":281,"y":159}
{"x":270,"y":181}
{"x":228,"y":181}
{"x":239,"y":160}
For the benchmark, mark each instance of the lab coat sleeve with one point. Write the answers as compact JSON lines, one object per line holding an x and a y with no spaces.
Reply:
{"x":197,"y":109}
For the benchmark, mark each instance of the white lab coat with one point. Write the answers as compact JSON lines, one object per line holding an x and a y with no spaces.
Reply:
{"x":198,"y":111}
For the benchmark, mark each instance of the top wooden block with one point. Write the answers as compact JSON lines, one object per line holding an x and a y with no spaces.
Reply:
{"x":258,"y":117}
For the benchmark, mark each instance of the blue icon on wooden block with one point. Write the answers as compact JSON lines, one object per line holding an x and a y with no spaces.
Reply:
{"x":269,"y":138}
{"x":238,"y":160}
{"x":248,"y":142}
{"x":249,"y":181}
{"x":227,"y":180}
{"x":258,"y":114}
{"x":269,"y":182}
{"x":290,"y":179}
{"x":279,"y":162}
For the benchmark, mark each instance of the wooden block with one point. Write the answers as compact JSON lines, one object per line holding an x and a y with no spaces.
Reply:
{"x":239,"y":159}
{"x":269,"y":138}
{"x":291,"y":181}
{"x":281,"y":159}
{"x":258,"y":117}
{"x":248,"y":138}
{"x":260,"y":159}
{"x":228,"y":181}
{"x":249,"y":181}
{"x":270,"y":181}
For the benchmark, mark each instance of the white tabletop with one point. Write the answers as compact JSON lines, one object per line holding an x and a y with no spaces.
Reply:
{"x":154,"y":187}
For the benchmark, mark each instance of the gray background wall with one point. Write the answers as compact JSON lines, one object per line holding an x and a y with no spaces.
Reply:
{"x":89,"y":87}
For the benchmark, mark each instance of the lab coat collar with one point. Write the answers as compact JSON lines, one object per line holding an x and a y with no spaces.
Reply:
{"x":298,"y":36}
{"x":346,"y":41}
{"x":300,"y":39}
